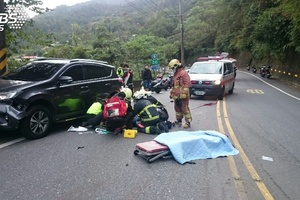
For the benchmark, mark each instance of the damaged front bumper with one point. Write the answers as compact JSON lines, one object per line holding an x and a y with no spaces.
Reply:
{"x":10,"y":117}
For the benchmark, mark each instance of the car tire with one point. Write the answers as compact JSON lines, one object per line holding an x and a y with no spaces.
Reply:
{"x":222,"y":93}
{"x":231,"y":91}
{"x":37,"y":124}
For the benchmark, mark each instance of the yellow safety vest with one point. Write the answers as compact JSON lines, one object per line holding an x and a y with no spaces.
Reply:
{"x":95,"y":109}
{"x":120,"y":71}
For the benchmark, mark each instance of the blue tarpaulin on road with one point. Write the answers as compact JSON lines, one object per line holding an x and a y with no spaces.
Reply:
{"x":187,"y":146}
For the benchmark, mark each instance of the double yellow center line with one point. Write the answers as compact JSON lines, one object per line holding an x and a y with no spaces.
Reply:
{"x":237,"y":180}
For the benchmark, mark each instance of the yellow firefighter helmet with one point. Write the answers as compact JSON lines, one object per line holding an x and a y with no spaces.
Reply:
{"x":174,"y":63}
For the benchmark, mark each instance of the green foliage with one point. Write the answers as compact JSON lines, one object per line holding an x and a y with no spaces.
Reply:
{"x":161,"y":26}
{"x":290,"y":9}
{"x":65,"y":51}
{"x":273,"y":30}
{"x":120,"y":34}
{"x":15,"y":63}
{"x":15,"y":38}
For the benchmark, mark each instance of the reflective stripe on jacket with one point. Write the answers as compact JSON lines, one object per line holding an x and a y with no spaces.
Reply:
{"x":145,"y":110}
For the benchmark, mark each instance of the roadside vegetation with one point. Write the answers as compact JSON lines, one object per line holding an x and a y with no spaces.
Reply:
{"x":258,"y":32}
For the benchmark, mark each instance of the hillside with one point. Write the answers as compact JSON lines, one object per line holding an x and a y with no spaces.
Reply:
{"x":267,"y":32}
{"x":59,"y":19}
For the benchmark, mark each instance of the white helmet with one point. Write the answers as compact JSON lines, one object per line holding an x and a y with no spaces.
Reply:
{"x":141,"y":94}
{"x":127,"y":92}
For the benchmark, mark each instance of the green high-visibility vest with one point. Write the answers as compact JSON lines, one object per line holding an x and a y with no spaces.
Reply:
{"x":94,"y":109}
{"x":120,"y":71}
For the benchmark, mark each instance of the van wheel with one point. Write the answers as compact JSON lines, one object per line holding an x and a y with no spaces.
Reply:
{"x":231,"y":91}
{"x":221,"y":95}
{"x":37,"y":124}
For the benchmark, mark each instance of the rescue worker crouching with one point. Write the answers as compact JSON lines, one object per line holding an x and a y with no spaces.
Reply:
{"x":164,"y":125}
{"x":146,"y":114}
{"x":94,"y":113}
{"x":180,"y":93}
{"x":118,"y":112}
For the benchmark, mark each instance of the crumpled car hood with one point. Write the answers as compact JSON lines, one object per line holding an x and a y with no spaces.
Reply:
{"x":7,"y":85}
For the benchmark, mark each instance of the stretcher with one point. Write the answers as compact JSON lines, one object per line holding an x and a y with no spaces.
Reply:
{"x":152,"y":150}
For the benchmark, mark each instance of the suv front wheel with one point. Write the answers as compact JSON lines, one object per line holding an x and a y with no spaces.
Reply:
{"x":37,"y":124}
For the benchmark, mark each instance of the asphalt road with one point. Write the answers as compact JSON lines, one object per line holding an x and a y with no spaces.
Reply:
{"x":260,"y":118}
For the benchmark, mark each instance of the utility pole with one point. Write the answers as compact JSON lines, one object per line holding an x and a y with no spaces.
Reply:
{"x":181,"y":33}
{"x":3,"y":50}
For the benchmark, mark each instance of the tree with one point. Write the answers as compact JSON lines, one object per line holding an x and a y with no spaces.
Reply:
{"x":18,"y":40}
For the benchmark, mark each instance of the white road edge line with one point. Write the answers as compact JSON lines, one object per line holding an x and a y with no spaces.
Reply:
{"x":280,"y":90}
{"x":11,"y":142}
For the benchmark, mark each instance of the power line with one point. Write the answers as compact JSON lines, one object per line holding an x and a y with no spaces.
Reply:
{"x":165,"y":7}
{"x":136,"y":7}
{"x":180,"y":15}
{"x":152,"y":8}
{"x":160,"y":8}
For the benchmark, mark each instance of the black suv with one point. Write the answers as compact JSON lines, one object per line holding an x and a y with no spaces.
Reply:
{"x":49,"y":91}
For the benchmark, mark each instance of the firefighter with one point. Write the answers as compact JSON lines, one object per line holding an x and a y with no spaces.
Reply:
{"x":146,"y":115}
{"x":180,"y":93}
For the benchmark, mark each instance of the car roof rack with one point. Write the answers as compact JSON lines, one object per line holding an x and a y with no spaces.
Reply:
{"x":219,"y":57}
{"x":47,"y":58}
{"x":88,"y":60}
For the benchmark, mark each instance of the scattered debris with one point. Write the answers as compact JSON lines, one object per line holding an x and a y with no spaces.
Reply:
{"x":101,"y":131}
{"x":86,"y":132}
{"x":78,"y":129}
{"x":267,"y":158}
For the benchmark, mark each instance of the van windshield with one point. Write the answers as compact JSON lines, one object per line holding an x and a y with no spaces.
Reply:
{"x":206,"y":68}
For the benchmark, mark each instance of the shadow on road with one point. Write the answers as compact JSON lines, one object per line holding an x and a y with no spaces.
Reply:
{"x":6,"y":136}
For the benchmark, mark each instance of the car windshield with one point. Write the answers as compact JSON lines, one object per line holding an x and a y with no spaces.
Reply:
{"x":206,"y":68}
{"x":34,"y":72}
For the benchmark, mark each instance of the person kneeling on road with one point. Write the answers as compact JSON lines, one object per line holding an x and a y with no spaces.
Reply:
{"x":94,"y":113}
{"x":146,"y":114}
{"x":118,"y":113}
{"x":164,"y":125}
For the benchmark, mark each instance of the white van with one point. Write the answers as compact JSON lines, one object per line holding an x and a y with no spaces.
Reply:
{"x":212,"y":78}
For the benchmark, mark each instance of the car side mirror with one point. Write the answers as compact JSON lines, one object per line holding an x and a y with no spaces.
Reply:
{"x":65,"y":80}
{"x":226,"y":72}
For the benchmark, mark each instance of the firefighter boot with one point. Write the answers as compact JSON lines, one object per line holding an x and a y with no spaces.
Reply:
{"x":187,"y":125}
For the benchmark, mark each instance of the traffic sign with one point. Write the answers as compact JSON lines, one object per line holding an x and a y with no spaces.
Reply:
{"x":154,"y":56}
{"x":154,"y":62}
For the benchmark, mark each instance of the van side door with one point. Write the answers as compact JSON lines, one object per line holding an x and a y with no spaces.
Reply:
{"x":228,"y":75}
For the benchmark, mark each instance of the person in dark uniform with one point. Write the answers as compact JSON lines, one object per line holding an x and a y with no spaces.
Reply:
{"x":145,"y":114}
{"x":127,"y":77}
{"x":147,"y":77}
